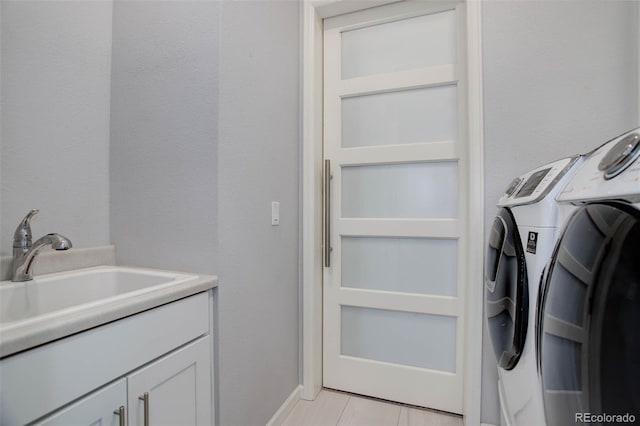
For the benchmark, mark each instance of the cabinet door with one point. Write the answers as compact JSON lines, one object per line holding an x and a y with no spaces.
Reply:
{"x":97,"y":408}
{"x":178,"y":387}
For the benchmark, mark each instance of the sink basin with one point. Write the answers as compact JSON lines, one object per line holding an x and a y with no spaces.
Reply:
{"x":52,"y":295}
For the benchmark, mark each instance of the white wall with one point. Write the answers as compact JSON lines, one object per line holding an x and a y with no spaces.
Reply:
{"x":54,"y":149}
{"x":258,"y":163}
{"x":164,"y":134}
{"x":559,"y":79}
{"x":187,"y":195}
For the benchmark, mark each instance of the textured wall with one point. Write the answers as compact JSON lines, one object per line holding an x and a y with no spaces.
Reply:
{"x":187,"y":195}
{"x":54,"y":149}
{"x":559,"y":79}
{"x":258,"y":163}
{"x":190,"y":191}
{"x":164,"y":134}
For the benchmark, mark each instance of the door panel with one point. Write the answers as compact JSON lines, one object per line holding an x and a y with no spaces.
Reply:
{"x":404,"y":338}
{"x":408,"y":265}
{"x":418,"y":42}
{"x":409,"y":190}
{"x":411,"y":116}
{"x":394,"y":116}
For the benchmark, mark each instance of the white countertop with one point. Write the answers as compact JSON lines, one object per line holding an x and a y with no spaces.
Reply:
{"x":24,"y":335}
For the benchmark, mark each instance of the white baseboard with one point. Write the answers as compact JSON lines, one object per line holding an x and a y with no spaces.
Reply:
{"x":486,"y":424}
{"x":286,"y":407}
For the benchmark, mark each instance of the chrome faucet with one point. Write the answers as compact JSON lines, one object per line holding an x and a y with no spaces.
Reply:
{"x":24,"y":252}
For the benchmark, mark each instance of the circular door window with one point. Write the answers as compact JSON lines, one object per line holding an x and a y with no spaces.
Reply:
{"x":590,"y":340}
{"x":507,"y":302}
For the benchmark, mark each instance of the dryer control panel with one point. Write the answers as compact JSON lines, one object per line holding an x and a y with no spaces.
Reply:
{"x":612,"y":172}
{"x":534,"y":185}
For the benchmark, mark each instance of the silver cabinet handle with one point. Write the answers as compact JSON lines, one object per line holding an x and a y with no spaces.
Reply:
{"x":327,"y":213}
{"x":145,"y":397}
{"x":121,"y":413}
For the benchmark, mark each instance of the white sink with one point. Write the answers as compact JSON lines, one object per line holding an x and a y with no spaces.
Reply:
{"x":49,"y":296}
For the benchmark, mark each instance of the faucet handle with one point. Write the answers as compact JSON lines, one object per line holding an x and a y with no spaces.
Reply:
{"x":22,"y":236}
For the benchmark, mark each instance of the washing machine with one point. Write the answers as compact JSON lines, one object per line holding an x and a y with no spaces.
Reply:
{"x":589,"y":316}
{"x":520,"y":244}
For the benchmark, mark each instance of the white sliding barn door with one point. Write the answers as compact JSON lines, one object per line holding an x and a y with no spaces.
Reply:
{"x":394,"y":132}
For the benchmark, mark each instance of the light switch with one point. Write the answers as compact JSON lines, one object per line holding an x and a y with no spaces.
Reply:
{"x":275,"y":213}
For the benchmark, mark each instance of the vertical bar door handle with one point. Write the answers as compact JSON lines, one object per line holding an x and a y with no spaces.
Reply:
{"x":145,"y":398}
{"x":327,"y":213}
{"x":121,"y":413}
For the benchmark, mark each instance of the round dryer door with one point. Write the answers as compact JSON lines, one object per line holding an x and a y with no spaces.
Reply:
{"x":507,"y":300}
{"x":589,"y":347}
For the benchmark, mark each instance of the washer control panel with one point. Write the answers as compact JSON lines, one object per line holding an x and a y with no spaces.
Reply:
{"x":610,"y":172}
{"x":534,"y":185}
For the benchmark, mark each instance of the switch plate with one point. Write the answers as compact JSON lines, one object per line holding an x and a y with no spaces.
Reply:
{"x":275,"y":213}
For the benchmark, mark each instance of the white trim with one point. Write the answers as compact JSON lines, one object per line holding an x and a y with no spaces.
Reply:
{"x":313,"y":13}
{"x":286,"y":407}
{"x":428,"y":228}
{"x":328,"y":8}
{"x":400,"y":302}
{"x":486,"y":424}
{"x":396,"y":154}
{"x":367,"y":16}
{"x":311,"y":201}
{"x":473,"y":327}
{"x":413,"y":79}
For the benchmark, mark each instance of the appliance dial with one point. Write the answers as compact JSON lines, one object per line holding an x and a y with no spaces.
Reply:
{"x":621,"y":156}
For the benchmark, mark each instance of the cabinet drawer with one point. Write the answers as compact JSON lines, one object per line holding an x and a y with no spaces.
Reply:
{"x":38,"y":381}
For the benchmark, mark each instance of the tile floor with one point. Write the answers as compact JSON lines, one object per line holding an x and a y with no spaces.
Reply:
{"x":333,"y":408}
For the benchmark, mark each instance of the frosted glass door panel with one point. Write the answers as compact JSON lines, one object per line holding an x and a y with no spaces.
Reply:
{"x":419,"y":42}
{"x":409,"y":265}
{"x":408,"y":116}
{"x":406,"y":338}
{"x":409,"y":190}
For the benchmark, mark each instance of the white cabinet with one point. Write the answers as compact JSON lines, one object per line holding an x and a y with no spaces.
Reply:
{"x":177,"y":388}
{"x":95,"y":409}
{"x":165,"y":353}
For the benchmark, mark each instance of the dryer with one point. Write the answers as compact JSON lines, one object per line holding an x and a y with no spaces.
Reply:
{"x":589,"y":343}
{"x":520,"y":244}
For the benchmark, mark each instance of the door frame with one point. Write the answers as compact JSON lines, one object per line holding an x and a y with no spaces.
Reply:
{"x":313,"y":13}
